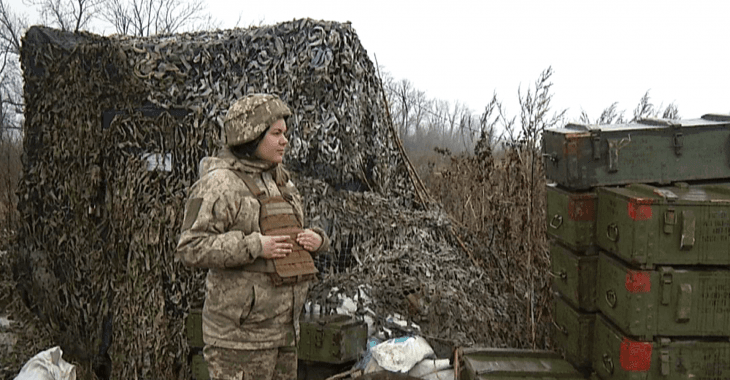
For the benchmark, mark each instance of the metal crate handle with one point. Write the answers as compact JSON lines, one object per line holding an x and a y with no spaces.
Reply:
{"x":556,"y":221}
{"x":608,"y":363}
{"x":611,"y":298}
{"x":612,"y":232}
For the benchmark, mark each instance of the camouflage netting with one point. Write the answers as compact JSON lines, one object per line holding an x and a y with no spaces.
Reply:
{"x":115,"y":128}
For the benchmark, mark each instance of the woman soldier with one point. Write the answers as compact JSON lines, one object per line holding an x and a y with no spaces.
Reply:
{"x":243,"y":221}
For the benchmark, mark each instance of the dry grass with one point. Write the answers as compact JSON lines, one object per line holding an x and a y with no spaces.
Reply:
{"x":501,"y":205}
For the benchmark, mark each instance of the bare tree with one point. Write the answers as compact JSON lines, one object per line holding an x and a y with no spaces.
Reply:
{"x":403,"y":91}
{"x":68,"y":15}
{"x":144,"y":18}
{"x":11,"y":108}
{"x":439,"y":110}
{"x":11,"y":88}
{"x":132,"y":17}
{"x":421,"y":109}
{"x":423,"y":123}
{"x":11,"y":27}
{"x":452,"y":116}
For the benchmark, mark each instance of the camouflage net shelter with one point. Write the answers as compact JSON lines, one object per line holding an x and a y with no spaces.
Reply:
{"x":114,"y":130}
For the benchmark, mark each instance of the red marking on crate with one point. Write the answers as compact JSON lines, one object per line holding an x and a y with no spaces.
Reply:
{"x":639,"y":208}
{"x":572,"y":142}
{"x":635,"y":356}
{"x":570,"y":148}
{"x":582,"y":208}
{"x":638,"y":282}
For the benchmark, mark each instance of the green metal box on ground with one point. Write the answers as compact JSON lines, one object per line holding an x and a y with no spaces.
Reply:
{"x":573,"y":332}
{"x":574,"y":276}
{"x":667,"y":301}
{"x":332,"y":339}
{"x":571,"y":218}
{"x":618,"y":357}
{"x":674,"y":225}
{"x":580,"y":157}
{"x":514,"y":364}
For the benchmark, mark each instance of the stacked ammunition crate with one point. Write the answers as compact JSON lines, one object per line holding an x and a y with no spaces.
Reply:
{"x":574,"y":255}
{"x":638,"y":217}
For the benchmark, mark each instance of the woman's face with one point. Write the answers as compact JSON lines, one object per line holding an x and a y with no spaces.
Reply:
{"x":273,"y":146}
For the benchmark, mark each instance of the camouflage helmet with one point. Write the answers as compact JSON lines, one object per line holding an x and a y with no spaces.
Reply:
{"x":249,"y":117}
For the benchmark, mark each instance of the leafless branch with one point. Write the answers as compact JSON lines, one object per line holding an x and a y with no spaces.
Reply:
{"x":143,"y":18}
{"x":11,"y":27}
{"x":68,"y":15}
{"x":11,"y":89}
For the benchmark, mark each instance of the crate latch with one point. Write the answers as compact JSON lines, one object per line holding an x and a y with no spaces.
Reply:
{"x":665,"y":362}
{"x":667,"y":274}
{"x":596,"y":140}
{"x":614,"y":146}
{"x":670,"y":219}
{"x":677,"y":143}
{"x":664,"y":356}
{"x":684,"y":303}
{"x":687,"y":240}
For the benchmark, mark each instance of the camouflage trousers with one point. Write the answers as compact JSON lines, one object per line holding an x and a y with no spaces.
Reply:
{"x":272,"y":364}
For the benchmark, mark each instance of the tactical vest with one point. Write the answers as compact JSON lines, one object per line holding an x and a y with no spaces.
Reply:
{"x":277,"y":218}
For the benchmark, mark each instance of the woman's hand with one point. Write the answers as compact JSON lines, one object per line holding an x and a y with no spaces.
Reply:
{"x":309,"y":240}
{"x":275,"y":247}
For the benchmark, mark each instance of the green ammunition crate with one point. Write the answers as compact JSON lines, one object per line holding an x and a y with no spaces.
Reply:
{"x":581,"y":157}
{"x":332,"y":339}
{"x":619,"y":357}
{"x":571,"y":218}
{"x":513,"y":364}
{"x":573,"y":332}
{"x":668,"y":301}
{"x":675,"y":225}
{"x":194,"y":328}
{"x":574,"y":276}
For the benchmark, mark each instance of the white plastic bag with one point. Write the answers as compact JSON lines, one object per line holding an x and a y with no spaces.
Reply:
{"x":47,"y":365}
{"x":401,"y":354}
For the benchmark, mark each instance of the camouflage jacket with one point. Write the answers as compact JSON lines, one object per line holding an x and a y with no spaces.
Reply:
{"x":243,"y":310}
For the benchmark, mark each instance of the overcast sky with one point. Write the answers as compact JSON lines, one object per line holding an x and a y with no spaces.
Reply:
{"x":465,"y":50}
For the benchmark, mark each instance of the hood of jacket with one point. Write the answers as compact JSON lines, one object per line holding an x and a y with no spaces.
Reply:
{"x":226,"y":160}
